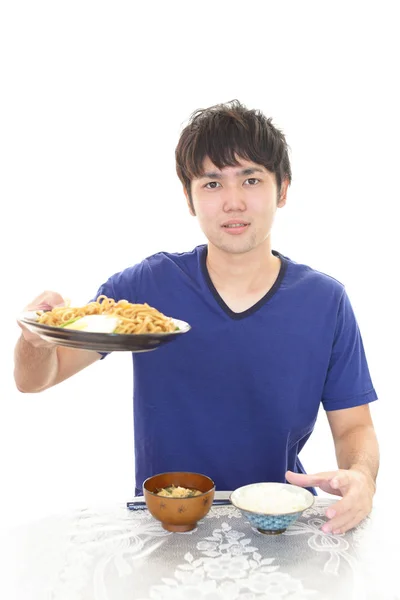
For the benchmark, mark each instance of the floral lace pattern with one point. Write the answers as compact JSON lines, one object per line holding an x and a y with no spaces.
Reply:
{"x":119,"y":555}
{"x":229,"y":567}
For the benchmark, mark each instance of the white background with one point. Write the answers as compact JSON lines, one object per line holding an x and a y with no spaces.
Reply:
{"x":94,"y":96}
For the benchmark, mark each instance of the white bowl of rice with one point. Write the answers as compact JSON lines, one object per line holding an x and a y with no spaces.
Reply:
{"x":271,"y":507}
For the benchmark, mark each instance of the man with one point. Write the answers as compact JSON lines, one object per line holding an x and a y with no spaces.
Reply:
{"x":238,"y":396}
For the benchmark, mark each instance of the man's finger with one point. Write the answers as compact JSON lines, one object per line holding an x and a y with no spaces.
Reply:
{"x":338,"y":514}
{"x":303,"y":479}
{"x":344,"y":522}
{"x":358,"y":517}
{"x":340,"y":480}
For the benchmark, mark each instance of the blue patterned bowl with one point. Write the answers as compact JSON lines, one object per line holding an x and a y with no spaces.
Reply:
{"x":283,"y":511}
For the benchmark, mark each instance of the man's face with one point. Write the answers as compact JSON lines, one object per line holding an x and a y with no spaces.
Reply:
{"x":236,"y":206}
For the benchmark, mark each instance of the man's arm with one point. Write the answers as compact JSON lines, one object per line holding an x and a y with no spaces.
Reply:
{"x":355,"y":440}
{"x":357,"y":455}
{"x":38,"y":368}
{"x":40,"y":364}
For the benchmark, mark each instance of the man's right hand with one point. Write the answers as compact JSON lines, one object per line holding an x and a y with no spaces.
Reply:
{"x":46,"y":301}
{"x":40,"y":365}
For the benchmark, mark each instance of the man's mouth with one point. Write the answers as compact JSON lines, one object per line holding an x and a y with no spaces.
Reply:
{"x":233,"y":225}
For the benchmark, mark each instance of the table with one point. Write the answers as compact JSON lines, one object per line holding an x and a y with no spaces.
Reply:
{"x":116,"y":554}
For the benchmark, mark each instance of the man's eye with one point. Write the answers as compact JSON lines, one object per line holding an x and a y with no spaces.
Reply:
{"x":212,"y":185}
{"x":252,"y":181}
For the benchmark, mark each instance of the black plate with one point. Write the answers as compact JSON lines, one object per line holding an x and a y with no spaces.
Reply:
{"x":102,"y":342}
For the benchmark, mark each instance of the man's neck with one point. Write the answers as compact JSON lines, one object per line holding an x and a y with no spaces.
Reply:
{"x":244,"y":273}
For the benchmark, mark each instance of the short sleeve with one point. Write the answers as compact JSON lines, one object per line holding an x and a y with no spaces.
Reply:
{"x":106,"y":289}
{"x":348,"y":382}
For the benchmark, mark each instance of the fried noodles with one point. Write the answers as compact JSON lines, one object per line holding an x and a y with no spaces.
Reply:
{"x":132,"y":318}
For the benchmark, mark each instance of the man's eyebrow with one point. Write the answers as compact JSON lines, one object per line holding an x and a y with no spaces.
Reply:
{"x":215,"y":175}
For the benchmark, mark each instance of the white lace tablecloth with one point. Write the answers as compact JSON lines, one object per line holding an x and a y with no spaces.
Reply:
{"x":117,"y":554}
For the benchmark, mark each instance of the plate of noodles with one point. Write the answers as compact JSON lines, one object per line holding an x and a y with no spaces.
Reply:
{"x":105,"y":325}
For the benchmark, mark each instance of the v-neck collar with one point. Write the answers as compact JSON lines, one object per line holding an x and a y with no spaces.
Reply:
{"x":257,"y":305}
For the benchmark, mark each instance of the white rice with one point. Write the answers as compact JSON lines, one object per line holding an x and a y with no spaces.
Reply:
{"x":264,"y":499}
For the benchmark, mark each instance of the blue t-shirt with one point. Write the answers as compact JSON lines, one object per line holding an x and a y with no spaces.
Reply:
{"x":237,"y":396}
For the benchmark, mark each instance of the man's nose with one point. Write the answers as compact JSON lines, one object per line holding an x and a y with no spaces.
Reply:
{"x":234,"y":199}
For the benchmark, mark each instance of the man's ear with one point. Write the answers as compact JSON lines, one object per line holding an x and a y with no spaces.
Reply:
{"x":191,"y":209}
{"x":283,"y":193}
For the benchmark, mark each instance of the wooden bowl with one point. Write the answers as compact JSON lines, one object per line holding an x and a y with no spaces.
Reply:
{"x":179,"y":514}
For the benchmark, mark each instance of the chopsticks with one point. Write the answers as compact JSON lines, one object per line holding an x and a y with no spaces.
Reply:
{"x":141,"y":504}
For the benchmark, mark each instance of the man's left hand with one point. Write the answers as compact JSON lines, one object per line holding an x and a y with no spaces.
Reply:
{"x":356,"y":487}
